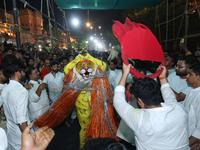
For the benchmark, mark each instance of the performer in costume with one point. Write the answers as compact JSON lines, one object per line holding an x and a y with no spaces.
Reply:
{"x":87,"y":88}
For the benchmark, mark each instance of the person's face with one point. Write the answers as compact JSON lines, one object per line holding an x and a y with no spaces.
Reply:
{"x":34,"y":75}
{"x":9,"y":52}
{"x":71,"y":58}
{"x":65,"y":62}
{"x":22,"y":77}
{"x":54,"y":57}
{"x":181,"y":68}
{"x":112,"y":66}
{"x":191,"y":77}
{"x":42,"y":63}
{"x":2,"y":77}
{"x":119,"y":61}
{"x":31,"y":62}
{"x":55,"y":68}
{"x":47,"y":63}
{"x":169,"y":62}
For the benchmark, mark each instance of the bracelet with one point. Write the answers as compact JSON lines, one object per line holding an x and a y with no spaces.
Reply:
{"x":163,"y":77}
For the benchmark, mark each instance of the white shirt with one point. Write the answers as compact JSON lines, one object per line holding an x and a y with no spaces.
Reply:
{"x":111,"y":77}
{"x":15,"y":104}
{"x":162,"y":128}
{"x":118,"y":76}
{"x":3,"y":140}
{"x":1,"y":88}
{"x":55,"y":84}
{"x":37,"y":105}
{"x":178,"y":85}
{"x":192,"y":105}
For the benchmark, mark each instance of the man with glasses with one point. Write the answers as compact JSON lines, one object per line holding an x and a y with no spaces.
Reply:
{"x":177,"y":79}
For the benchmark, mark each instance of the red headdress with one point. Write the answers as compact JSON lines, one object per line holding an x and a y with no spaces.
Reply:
{"x":138,"y":42}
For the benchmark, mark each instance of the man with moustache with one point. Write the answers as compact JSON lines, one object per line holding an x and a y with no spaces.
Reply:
{"x":37,"y":95}
{"x":54,"y":81}
{"x":177,"y":79}
{"x":15,"y":104}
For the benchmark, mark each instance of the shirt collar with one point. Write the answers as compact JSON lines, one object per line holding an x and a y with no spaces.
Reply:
{"x":32,"y":81}
{"x":15,"y":82}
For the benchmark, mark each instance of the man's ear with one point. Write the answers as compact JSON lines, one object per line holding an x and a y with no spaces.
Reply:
{"x":141,"y":103}
{"x":198,"y":77}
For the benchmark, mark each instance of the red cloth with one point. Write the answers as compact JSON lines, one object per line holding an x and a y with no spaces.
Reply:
{"x":44,"y":72}
{"x":137,"y":42}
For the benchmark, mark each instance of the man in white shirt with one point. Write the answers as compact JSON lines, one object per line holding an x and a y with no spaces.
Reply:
{"x":112,"y":73}
{"x":192,"y":104}
{"x":177,"y":80}
{"x":54,"y":81}
{"x":15,"y":104}
{"x":37,"y":95}
{"x":3,"y":81}
{"x":157,"y":125}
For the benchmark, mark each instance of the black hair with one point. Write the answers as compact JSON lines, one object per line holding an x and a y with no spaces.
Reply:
{"x":114,"y":61}
{"x":182,"y":57}
{"x":139,"y":69}
{"x":21,"y":51}
{"x":174,"y":58}
{"x":196,"y":69}
{"x":103,"y":144}
{"x":9,"y":59}
{"x":10,"y":70}
{"x":190,"y":60}
{"x":54,"y":63}
{"x":147,"y":90}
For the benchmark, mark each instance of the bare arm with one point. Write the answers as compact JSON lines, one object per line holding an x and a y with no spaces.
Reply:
{"x":23,"y":126}
{"x":179,"y":96}
{"x":126,"y":70}
{"x":193,"y":140}
{"x":40,"y":88}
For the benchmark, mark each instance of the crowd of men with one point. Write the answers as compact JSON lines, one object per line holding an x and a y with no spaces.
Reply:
{"x":31,"y":81}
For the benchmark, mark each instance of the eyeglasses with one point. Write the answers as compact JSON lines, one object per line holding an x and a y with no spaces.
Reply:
{"x":179,"y":67}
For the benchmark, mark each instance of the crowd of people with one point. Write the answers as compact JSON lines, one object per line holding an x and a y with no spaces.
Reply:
{"x":169,"y":115}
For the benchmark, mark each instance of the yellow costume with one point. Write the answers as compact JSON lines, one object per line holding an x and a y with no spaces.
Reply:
{"x":87,"y":88}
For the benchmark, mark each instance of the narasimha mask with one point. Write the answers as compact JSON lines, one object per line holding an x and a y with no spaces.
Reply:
{"x":138,"y":42}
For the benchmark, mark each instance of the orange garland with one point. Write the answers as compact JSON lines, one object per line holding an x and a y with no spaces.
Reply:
{"x":100,"y":125}
{"x":57,"y":113}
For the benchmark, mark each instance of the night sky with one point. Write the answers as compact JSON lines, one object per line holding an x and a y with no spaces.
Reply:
{"x":97,"y":17}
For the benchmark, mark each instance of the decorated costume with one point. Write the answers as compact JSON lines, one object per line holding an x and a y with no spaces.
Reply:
{"x":87,"y":88}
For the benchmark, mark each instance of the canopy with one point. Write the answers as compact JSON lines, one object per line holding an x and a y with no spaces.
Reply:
{"x":106,"y":4}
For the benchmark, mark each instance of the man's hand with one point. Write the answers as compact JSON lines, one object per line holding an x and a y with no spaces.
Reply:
{"x":38,"y":140}
{"x":164,"y":72}
{"x":163,"y":75}
{"x":43,"y":86}
{"x":126,"y":69}
{"x":28,"y":86}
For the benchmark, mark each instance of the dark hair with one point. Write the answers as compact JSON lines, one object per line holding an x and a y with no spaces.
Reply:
{"x":147,"y":90}
{"x":9,"y":59}
{"x":190,"y":60}
{"x":174,"y":58}
{"x":54,"y":63}
{"x":141,"y":69}
{"x":182,"y":57}
{"x":114,"y":61}
{"x":9,"y":71}
{"x":103,"y":144}
{"x":196,"y":69}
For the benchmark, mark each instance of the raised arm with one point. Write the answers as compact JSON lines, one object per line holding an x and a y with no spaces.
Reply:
{"x":167,"y":93}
